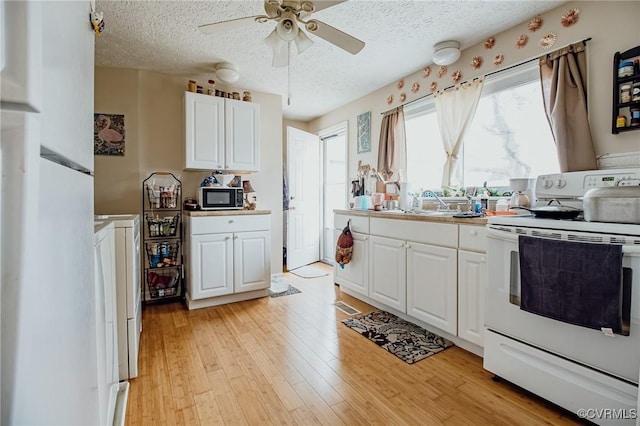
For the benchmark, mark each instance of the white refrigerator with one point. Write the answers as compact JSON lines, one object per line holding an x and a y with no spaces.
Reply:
{"x":48,"y":345}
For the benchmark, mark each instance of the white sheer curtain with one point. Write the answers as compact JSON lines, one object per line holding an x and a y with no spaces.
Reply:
{"x":456,"y":108}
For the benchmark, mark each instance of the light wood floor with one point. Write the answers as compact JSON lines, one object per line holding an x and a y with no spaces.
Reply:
{"x":289,"y":360}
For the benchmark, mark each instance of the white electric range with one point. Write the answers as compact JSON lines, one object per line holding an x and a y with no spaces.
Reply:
{"x":571,"y":365}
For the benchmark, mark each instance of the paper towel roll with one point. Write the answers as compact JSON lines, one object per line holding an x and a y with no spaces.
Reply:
{"x":405,"y":198}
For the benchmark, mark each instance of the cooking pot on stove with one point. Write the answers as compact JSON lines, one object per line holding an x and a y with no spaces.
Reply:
{"x":617,"y":204}
{"x":550,"y":211}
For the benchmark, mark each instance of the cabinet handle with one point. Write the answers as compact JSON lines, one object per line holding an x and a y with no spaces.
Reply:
{"x":292,"y":208}
{"x":483,"y":259}
{"x":474,"y":233}
{"x":227,"y":238}
{"x":407,"y":245}
{"x":236,"y":237}
{"x":365,"y":238}
{"x":231,"y":220}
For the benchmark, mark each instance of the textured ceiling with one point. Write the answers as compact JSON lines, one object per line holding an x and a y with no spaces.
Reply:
{"x":162,"y":36}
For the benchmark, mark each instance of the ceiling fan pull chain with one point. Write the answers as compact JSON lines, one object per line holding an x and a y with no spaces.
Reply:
{"x":288,"y":74}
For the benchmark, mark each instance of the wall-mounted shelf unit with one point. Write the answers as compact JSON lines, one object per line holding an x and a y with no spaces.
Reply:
{"x":623,"y":108}
{"x":162,"y":237}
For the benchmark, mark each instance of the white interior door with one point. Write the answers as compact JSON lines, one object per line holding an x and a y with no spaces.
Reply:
{"x":303,"y":175}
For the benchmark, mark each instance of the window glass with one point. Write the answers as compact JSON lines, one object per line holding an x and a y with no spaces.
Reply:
{"x":425,"y":154}
{"x":508,"y":138}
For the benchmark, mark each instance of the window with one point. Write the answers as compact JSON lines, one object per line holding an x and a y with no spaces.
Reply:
{"x":508,"y":138}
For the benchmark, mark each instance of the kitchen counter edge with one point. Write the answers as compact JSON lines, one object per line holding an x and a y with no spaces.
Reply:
{"x":414,"y":216}
{"x":204,"y":213}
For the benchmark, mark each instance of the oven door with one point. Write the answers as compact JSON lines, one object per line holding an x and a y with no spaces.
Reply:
{"x":616,"y":355}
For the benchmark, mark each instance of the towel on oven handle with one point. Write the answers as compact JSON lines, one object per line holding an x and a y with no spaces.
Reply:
{"x":574,"y":282}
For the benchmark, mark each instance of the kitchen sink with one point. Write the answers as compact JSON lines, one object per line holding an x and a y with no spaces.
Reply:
{"x":437,"y":213}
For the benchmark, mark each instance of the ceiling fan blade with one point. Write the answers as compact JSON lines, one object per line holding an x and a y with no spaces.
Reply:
{"x":335,"y":36}
{"x":229,"y":25}
{"x":281,"y":56}
{"x":324,"y":4}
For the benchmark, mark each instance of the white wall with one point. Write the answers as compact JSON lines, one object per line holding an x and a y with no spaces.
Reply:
{"x":154,"y":137}
{"x":613,"y":26}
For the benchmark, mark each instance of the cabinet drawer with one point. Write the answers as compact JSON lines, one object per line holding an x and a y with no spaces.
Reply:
{"x":212,"y":225}
{"x":358,"y":223}
{"x":473,"y":238}
{"x":439,"y":234}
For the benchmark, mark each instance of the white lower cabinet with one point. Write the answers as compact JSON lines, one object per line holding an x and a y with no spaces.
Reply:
{"x":472,"y":280}
{"x":355,"y":274}
{"x":433,"y":272}
{"x":211,"y":265}
{"x":251,"y":261}
{"x":387,"y":272}
{"x":220,"y":263}
{"x":432,"y":285}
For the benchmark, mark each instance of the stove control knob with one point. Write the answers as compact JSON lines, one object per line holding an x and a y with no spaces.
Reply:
{"x":547,"y":183}
{"x":561,"y":183}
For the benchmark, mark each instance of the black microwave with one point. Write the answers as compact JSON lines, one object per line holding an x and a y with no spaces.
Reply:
{"x":220,"y":198}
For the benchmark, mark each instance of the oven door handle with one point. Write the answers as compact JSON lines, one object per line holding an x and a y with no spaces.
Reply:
{"x":630,"y":250}
{"x":501,"y":235}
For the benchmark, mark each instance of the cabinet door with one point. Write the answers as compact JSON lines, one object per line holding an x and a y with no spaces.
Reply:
{"x":252,"y":260}
{"x":472,"y":280}
{"x":242,"y":133}
{"x":355,"y":274}
{"x":432,"y":285}
{"x":211,"y":264}
{"x":204,"y":131}
{"x":387,"y":272}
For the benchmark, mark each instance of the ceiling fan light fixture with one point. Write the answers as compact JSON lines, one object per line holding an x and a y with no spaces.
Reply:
{"x":227,"y":72}
{"x":303,"y":42}
{"x":446,"y":52}
{"x":287,"y":27}
{"x":273,"y":40}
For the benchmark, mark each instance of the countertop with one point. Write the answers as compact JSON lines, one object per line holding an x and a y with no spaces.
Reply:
{"x":201,"y":213}
{"x":414,"y":216}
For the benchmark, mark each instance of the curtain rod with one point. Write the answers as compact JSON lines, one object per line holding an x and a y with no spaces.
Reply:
{"x":486,"y":75}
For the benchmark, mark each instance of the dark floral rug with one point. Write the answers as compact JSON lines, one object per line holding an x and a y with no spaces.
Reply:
{"x":405,"y":340}
{"x":290,"y":290}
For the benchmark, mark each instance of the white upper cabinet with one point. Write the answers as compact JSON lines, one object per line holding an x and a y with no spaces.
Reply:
{"x":204,"y":131}
{"x":220,"y":133}
{"x":242,"y":135}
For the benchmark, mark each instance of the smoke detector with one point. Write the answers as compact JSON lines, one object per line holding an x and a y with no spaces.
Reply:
{"x":446,"y":52}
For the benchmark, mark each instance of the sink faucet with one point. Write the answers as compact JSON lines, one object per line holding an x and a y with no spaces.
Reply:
{"x":433,"y":194}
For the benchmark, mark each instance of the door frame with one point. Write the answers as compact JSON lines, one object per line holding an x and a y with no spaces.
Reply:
{"x":324,"y":134}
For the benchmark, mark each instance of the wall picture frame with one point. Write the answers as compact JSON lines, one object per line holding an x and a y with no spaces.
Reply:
{"x":364,"y":132}
{"x":108,"y":134}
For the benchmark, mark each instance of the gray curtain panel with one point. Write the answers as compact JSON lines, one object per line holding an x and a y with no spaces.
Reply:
{"x":563,"y":75}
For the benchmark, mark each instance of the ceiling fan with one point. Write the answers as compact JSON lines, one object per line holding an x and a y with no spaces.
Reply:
{"x":289,"y":14}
